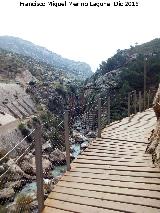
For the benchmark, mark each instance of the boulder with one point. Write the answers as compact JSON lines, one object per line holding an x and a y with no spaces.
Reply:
{"x":47,"y":148}
{"x":57,"y":157}
{"x":79,"y":138}
{"x":29,"y":166}
{"x":16,"y":173}
{"x":17,"y":185}
{"x":84,"y":145}
{"x":91,"y":135}
{"x":6,"y":195}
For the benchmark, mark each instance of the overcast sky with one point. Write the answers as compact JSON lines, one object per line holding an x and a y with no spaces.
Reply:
{"x":88,"y":34}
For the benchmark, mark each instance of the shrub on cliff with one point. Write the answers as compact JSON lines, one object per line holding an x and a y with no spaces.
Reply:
{"x":25,"y":131}
{"x":3,"y":152}
{"x":3,"y":209}
{"x":23,"y":203}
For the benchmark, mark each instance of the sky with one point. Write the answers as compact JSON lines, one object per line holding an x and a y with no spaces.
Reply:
{"x":89,"y":34}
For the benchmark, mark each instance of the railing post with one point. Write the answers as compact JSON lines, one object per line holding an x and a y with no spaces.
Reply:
{"x":39,"y":168}
{"x":129,"y":104}
{"x":145,"y":79}
{"x":99,"y":117}
{"x":66,"y":128}
{"x":135,"y":102}
{"x":148,"y":99}
{"x":108,"y":109}
{"x":140,"y":101}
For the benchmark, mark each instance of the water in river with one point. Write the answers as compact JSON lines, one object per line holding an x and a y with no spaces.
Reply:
{"x":57,"y":171}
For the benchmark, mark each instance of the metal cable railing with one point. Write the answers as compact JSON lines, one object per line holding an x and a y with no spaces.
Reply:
{"x":1,"y":159}
{"x":8,"y":174}
{"x":56,"y":153}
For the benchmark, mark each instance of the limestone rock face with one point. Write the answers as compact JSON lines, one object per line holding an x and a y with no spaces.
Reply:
{"x":156,"y":104}
{"x":154,"y":140}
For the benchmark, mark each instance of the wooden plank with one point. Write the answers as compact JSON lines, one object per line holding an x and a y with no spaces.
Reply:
{"x":117,"y":148}
{"x":115,"y":151}
{"x":114,"y":177}
{"x":106,"y":144}
{"x":127,"y":184}
{"x":129,"y":136}
{"x":108,"y":196}
{"x":101,"y":203}
{"x":112,"y":139}
{"x":118,"y":168}
{"x":112,"y":189}
{"x":117,"y":159}
{"x":113,"y":163}
{"x":74,"y":207}
{"x":52,"y":209}
{"x":117,"y":154}
{"x":115,"y":172}
{"x":118,"y":143}
{"x":121,"y":141}
{"x":136,"y":174}
{"x":113,"y":156}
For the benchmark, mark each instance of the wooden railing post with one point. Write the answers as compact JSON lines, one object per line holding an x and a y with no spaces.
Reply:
{"x":99,"y":118}
{"x":145,"y":79}
{"x":148,"y":99}
{"x":108,"y":109}
{"x":66,"y":128}
{"x":140,"y":101}
{"x":129,"y":104}
{"x":39,"y":167}
{"x":135,"y":102}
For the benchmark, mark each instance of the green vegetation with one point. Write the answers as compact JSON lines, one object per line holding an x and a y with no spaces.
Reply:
{"x":129,"y":64}
{"x":23,"y":204}
{"x":3,"y":209}
{"x":54,"y":131}
{"x":3,"y":152}
{"x":25,"y":132}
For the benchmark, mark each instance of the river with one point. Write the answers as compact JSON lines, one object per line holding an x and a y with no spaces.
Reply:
{"x":31,"y":188}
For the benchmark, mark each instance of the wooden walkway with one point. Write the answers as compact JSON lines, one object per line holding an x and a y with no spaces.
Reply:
{"x":113,"y":174}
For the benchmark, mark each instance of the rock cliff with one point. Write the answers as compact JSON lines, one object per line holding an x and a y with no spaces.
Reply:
{"x":154,"y":140}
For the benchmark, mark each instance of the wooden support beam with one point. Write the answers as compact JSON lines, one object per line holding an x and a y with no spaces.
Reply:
{"x":148,"y":99}
{"x":129,"y":104}
{"x":39,"y":168}
{"x":66,"y":127}
{"x":108,"y":109}
{"x":135,"y":102}
{"x":140,"y":101}
{"x":99,"y":118}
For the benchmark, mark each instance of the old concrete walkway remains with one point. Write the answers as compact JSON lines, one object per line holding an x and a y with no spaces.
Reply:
{"x":113,"y":174}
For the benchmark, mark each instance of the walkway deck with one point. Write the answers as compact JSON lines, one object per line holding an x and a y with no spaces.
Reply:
{"x":113,"y":174}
